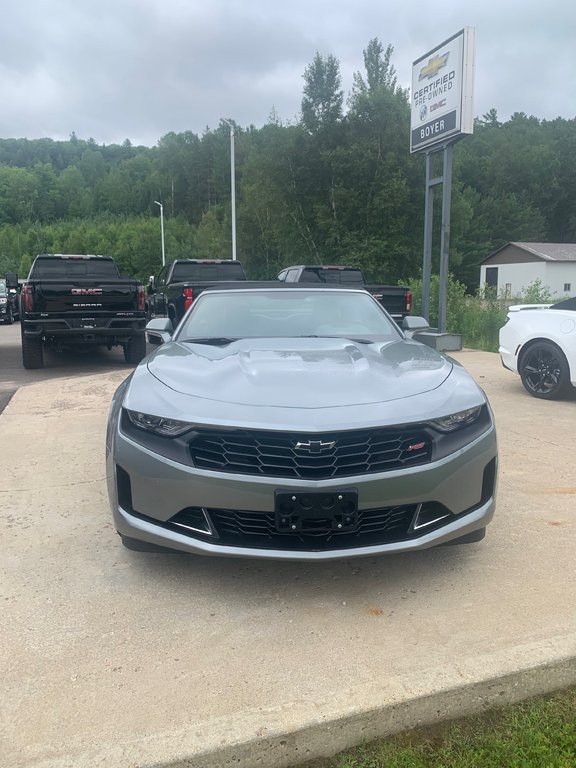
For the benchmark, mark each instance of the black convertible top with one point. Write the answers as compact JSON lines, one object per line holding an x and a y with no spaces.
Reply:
{"x":566,"y":304}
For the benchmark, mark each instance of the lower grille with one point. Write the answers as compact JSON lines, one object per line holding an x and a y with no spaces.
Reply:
{"x":236,"y":528}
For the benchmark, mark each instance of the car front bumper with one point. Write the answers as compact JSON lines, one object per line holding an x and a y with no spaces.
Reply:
{"x":154,"y":489}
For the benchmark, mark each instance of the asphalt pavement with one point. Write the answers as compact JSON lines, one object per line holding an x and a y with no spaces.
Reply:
{"x":56,"y":364}
{"x":115,"y":658}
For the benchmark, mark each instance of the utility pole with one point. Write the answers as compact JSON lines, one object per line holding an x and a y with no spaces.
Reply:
{"x":162,"y":230}
{"x":232,"y":186}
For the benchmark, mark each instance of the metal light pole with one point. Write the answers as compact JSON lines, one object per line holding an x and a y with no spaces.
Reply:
{"x":162,"y":229}
{"x":232,"y":187}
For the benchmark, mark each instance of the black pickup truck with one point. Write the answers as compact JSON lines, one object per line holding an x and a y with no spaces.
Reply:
{"x":396,"y":299}
{"x":179,"y":283}
{"x":7,"y":308}
{"x":79,"y":301}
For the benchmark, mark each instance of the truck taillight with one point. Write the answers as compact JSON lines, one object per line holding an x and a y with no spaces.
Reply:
{"x":188,"y":294}
{"x":408,"y":301}
{"x":141,"y":298}
{"x":27,"y":298}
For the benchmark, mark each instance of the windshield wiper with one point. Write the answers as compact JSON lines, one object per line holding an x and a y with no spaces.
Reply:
{"x":217,"y":341}
{"x":327,"y":336}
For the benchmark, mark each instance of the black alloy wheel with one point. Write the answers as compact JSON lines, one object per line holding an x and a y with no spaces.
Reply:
{"x":544,"y":371}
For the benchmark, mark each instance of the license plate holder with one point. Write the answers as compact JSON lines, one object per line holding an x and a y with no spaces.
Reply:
{"x":87,"y":322}
{"x":316,"y":511}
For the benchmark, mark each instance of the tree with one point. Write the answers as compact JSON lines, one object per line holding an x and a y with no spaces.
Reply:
{"x":212,"y":240}
{"x":75,"y":195}
{"x":323,"y":94}
{"x":18,"y":194}
{"x":490,"y":119}
{"x":380,"y":72}
{"x":25,"y":264}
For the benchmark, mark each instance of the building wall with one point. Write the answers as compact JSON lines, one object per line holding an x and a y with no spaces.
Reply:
{"x":513,"y":279}
{"x":559,"y":273}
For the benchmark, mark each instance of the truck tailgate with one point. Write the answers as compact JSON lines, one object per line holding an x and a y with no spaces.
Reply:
{"x":84,"y":295}
{"x":393,"y":298}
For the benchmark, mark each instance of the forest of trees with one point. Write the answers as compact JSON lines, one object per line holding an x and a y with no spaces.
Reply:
{"x":339,"y":186}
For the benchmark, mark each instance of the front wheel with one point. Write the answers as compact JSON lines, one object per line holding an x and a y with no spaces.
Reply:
{"x":9,"y":317}
{"x":135,"y":349}
{"x":544,"y":371}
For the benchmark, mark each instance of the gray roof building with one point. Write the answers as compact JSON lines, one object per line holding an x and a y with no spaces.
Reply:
{"x":514,"y":267}
{"x":519,"y":253}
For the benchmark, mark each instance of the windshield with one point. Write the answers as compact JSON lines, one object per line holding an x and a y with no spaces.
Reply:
{"x":73,"y":268}
{"x":3,"y":291}
{"x":328,"y":275}
{"x":287,"y":314}
{"x":207,"y":272}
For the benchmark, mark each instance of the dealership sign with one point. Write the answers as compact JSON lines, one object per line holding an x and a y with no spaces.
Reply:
{"x":442,"y":92}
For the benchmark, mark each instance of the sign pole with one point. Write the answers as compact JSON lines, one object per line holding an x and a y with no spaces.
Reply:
{"x":441,"y":113}
{"x":445,"y":236}
{"x":428,"y":221}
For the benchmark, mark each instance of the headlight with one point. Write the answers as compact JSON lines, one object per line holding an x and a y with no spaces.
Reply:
{"x":3,"y":301}
{"x":456,"y":420}
{"x":157,"y":424}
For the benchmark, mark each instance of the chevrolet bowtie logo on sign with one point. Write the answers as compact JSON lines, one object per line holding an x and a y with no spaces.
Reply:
{"x":442,"y":90}
{"x":434,"y":64}
{"x":315,"y":446}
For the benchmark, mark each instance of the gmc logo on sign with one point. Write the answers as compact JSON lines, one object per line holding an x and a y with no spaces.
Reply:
{"x":85,"y":291}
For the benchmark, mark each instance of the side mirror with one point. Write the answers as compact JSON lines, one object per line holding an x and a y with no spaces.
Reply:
{"x":411,"y":324}
{"x":159,"y":331}
{"x":12,"y":280}
{"x":414,"y":323}
{"x":151,"y":285}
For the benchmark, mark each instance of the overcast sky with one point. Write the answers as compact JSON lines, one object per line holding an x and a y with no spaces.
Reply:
{"x":137,"y":69}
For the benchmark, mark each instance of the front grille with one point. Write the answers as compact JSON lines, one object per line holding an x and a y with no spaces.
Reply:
{"x":237,"y":528}
{"x":319,"y":457}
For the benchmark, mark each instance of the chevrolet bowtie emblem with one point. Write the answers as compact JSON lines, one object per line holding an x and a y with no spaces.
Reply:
{"x":434,"y":64}
{"x":315,"y":446}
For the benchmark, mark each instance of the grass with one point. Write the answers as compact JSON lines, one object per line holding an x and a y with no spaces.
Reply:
{"x":477,"y":318}
{"x":540,"y":733}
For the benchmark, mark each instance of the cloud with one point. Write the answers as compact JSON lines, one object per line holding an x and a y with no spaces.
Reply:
{"x":139,"y":69}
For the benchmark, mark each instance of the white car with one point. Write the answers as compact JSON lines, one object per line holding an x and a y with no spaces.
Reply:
{"x":539,"y":343}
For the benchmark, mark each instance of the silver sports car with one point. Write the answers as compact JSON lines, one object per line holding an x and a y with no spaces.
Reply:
{"x":297,"y":424}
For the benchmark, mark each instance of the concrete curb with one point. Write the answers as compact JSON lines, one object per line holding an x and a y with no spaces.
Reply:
{"x":301,"y":731}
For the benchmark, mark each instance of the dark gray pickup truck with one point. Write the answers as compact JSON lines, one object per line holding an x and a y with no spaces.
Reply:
{"x":179,"y":283}
{"x":79,"y":301}
{"x":396,"y":299}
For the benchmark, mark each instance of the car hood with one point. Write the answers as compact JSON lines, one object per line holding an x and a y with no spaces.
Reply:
{"x":300,"y":373}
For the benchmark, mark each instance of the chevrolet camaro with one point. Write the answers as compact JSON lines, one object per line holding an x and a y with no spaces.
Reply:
{"x":539,"y":343}
{"x":297,"y":424}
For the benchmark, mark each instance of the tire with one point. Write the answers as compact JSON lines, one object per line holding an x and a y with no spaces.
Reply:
{"x":469,"y":538}
{"x":32,"y":353}
{"x":544,"y":371}
{"x":135,"y":349}
{"x":144,"y":546}
{"x":9,"y":317}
